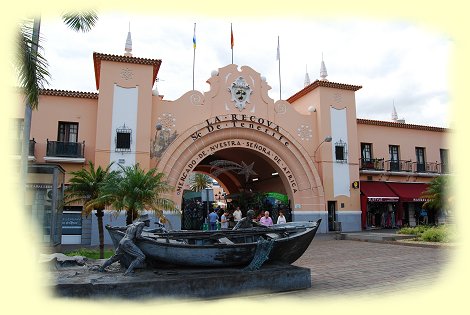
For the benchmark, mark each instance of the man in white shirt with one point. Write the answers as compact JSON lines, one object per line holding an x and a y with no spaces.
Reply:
{"x":237,"y":215}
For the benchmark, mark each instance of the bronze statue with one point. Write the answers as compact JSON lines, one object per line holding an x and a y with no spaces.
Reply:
{"x":127,"y":246}
{"x":247,"y":222}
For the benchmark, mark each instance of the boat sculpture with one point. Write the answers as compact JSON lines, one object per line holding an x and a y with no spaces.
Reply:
{"x":283,"y":243}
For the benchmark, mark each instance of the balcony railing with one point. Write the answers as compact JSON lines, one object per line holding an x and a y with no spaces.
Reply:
{"x":65,"y":149}
{"x":398,"y":166}
{"x":428,"y":167}
{"x":372,"y":164}
{"x":19,"y":146}
{"x":402,"y":166}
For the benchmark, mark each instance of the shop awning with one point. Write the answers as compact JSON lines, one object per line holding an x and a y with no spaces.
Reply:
{"x":378,"y":192}
{"x":409,"y":192}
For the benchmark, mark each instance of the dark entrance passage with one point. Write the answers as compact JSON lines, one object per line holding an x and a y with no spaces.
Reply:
{"x":248,"y":180}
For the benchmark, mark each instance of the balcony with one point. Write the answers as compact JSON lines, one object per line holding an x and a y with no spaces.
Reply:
{"x":18,"y":147}
{"x":71,"y":152}
{"x":372,"y":164}
{"x":402,"y":166}
{"x":398,"y":166}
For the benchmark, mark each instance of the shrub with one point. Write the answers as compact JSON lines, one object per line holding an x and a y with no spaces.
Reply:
{"x":90,"y":253}
{"x":435,"y":235}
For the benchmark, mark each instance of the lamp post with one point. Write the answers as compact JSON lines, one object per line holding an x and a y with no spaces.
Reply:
{"x":327,"y":139}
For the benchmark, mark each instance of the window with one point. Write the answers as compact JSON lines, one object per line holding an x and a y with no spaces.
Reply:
{"x":68,"y":132}
{"x":394,"y":157}
{"x":420,"y":160}
{"x":340,"y":151}
{"x":444,"y":161}
{"x":366,"y":152}
{"x":123,"y":139}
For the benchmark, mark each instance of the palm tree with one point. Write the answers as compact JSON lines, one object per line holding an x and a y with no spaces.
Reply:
{"x":32,"y":69}
{"x":86,"y":187}
{"x":136,"y":190}
{"x":436,"y":193}
{"x":199,"y":182}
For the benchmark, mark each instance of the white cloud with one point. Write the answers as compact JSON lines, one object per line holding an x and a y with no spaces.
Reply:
{"x":393,"y":61}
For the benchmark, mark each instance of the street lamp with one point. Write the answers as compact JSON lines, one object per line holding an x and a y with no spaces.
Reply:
{"x":327,"y":139}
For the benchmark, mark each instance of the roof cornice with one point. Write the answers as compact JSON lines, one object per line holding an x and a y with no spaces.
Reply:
{"x":98,"y":57}
{"x":76,"y":94}
{"x":401,"y":125}
{"x":319,"y":83}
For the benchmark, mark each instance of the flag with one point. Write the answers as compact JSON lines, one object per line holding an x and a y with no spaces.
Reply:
{"x":278,"y":56}
{"x":231,"y":36}
{"x":194,"y":36}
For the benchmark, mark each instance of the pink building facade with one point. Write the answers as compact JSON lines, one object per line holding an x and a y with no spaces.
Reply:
{"x":352,"y":173}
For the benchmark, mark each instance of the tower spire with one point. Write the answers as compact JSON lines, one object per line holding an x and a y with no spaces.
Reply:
{"x":307,"y":78}
{"x":394,"y":113}
{"x":128,"y":47}
{"x":323,"y":72}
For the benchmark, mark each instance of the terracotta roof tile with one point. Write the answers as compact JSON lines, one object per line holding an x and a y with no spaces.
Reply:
{"x":64,"y":93}
{"x":318,"y":83}
{"x":401,"y":125}
{"x":98,"y":57}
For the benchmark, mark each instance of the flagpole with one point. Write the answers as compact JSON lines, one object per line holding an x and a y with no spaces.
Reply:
{"x":279,"y":59}
{"x":231,"y":40}
{"x":194,"y":53}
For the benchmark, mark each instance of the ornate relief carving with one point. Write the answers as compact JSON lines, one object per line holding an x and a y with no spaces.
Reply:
{"x":338,"y":97}
{"x":195,"y":99}
{"x":163,"y":135}
{"x":304,"y":132}
{"x":240,"y":92}
{"x":280,"y":108}
{"x":127,"y":74}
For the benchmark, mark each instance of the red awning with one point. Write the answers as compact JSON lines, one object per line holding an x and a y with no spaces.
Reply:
{"x":409,"y":192}
{"x":378,"y":192}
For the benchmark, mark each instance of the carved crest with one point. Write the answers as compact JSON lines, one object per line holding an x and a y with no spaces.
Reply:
{"x":241,"y":92}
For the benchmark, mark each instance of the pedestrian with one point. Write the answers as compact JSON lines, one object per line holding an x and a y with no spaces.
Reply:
{"x":213,"y":218}
{"x":224,"y":220}
{"x":237,"y":215}
{"x":266,"y":219}
{"x":281,"y":218}
{"x":424,"y":214}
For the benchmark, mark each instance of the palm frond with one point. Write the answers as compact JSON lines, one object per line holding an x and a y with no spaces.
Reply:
{"x":31,"y":66}
{"x":80,"y":21}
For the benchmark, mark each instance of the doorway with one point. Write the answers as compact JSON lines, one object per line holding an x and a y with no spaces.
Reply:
{"x":331,"y":215}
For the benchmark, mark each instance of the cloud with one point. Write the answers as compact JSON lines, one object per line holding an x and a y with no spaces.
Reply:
{"x":394,"y":61}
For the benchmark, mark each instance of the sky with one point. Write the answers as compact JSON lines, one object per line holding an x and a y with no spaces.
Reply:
{"x":397,"y":63}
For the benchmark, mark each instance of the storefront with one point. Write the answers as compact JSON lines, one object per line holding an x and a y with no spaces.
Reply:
{"x":410,"y":203}
{"x":379,"y":206}
{"x":393,"y":205}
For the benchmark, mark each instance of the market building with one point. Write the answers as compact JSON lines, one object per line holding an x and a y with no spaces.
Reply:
{"x":352,"y":173}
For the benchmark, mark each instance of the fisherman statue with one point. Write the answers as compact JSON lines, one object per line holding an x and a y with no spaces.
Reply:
{"x":247,"y":222}
{"x":127,"y":250}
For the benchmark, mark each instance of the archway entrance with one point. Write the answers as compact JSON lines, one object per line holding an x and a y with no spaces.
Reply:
{"x":269,"y":153}
{"x":248,"y":180}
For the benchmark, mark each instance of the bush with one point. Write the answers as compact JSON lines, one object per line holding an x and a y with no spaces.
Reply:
{"x":435,"y":235}
{"x":90,"y":253}
{"x":417,"y":230}
{"x":442,"y":233}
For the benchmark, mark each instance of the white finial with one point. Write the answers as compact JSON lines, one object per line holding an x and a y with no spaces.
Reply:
{"x":128,"y":47}
{"x":394,"y":113}
{"x":323,"y":72}
{"x":307,"y":78}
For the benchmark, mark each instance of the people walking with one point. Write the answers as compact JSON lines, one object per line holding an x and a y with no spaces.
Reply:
{"x":281,"y":218}
{"x":213,"y":218}
{"x":266,"y":219}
